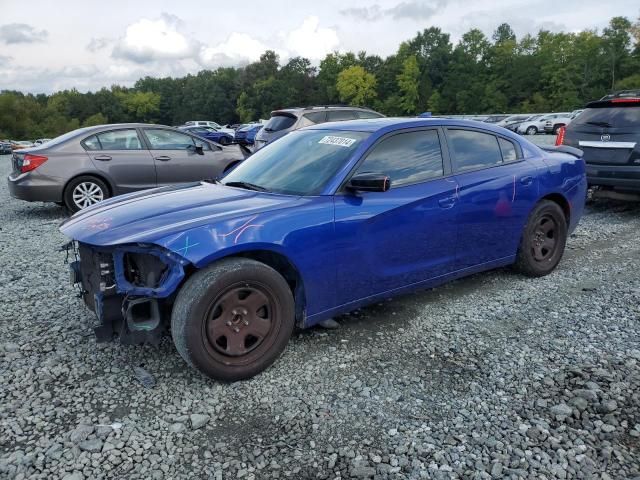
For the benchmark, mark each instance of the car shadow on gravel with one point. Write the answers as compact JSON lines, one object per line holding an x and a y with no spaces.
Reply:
{"x":44,"y":212}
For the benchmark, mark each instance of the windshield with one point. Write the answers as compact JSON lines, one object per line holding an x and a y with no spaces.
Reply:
{"x":280,"y":122}
{"x":301,"y":163}
{"x":609,"y":117}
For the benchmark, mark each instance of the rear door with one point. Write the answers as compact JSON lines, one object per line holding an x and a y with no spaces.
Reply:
{"x":608,"y":134}
{"x":177,"y":160}
{"x":123,"y":158}
{"x":497,"y":189}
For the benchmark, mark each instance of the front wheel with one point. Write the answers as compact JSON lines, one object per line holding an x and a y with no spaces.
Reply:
{"x":232,"y":320}
{"x":532,"y":131}
{"x":543,"y":240}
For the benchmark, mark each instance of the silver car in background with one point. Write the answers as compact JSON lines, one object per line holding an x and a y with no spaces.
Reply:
{"x":87,"y":165}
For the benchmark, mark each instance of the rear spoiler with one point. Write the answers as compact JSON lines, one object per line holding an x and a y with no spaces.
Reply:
{"x":576,"y":152}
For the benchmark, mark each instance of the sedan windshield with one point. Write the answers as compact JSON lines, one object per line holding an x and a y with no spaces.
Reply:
{"x":300,"y":163}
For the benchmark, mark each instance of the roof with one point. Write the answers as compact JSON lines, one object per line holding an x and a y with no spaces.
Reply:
{"x":391,"y":123}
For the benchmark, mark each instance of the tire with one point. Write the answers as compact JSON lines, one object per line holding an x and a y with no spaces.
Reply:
{"x":543,"y":240}
{"x":532,"y":130}
{"x":219,"y":319}
{"x":224,"y":141}
{"x":88,"y":184}
{"x":556,"y":128}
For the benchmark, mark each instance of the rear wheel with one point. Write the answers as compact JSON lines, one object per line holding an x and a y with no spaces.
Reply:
{"x":232,"y":320}
{"x":84,"y":191}
{"x":224,"y":141}
{"x":543,"y":240}
{"x":556,"y":128}
{"x":532,"y":130}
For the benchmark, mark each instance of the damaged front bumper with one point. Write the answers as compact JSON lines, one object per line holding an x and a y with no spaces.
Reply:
{"x":130,"y":288}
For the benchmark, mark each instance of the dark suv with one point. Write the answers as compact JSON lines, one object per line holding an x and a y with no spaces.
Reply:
{"x":289,"y":119}
{"x":608,"y":132}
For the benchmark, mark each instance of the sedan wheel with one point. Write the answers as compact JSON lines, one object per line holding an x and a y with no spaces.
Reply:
{"x":83,"y":192}
{"x":233,"y":319}
{"x":532,"y":131}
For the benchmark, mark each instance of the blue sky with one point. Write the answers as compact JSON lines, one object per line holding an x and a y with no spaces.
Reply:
{"x":47,"y":45}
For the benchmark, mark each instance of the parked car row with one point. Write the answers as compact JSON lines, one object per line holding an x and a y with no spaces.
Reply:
{"x":8,"y":146}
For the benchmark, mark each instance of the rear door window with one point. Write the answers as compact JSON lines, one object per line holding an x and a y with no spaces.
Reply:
{"x":316,"y":117}
{"x":114,"y":140}
{"x":365,"y":114}
{"x":610,"y":117}
{"x":280,"y":122}
{"x":473,"y":150}
{"x":340,"y":115}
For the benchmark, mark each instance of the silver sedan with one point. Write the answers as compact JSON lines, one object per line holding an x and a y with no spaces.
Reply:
{"x":87,"y":165}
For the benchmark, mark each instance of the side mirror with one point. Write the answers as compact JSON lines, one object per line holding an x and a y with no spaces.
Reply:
{"x":369,"y":182}
{"x":199,"y":149}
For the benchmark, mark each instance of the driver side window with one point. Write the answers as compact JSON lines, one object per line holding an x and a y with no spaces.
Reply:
{"x":161,"y":139}
{"x":406,"y":158}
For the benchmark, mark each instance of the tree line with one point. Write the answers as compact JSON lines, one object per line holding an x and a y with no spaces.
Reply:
{"x":550,"y":71}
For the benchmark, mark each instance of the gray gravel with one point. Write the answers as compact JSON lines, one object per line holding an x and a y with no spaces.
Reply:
{"x":493,"y":376}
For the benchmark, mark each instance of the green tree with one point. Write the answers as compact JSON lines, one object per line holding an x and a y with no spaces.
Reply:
{"x":95,"y":119}
{"x":356,"y":86}
{"x":141,"y":106}
{"x":408,"y":84}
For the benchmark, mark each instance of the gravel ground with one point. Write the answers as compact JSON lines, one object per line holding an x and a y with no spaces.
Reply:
{"x":493,"y":376}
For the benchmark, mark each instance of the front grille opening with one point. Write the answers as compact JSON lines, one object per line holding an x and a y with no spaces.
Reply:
{"x":144,"y":269}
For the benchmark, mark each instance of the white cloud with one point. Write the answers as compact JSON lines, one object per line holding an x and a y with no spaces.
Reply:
{"x":237,"y":49}
{"x":147,"y":40}
{"x":312,"y":41}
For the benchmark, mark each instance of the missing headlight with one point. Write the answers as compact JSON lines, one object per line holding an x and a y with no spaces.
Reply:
{"x":144,"y":269}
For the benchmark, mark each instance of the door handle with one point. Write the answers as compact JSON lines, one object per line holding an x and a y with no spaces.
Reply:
{"x":526,"y":181}
{"x":447,"y":202}
{"x":163,"y":158}
{"x":102,"y":158}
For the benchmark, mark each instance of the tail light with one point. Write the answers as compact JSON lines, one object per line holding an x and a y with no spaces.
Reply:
{"x":560,"y":136}
{"x":31,"y":162}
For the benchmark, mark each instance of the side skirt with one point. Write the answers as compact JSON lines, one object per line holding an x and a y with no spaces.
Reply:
{"x":430,"y":283}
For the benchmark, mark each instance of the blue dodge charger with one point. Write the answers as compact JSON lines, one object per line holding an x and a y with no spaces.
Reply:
{"x":321,"y":222}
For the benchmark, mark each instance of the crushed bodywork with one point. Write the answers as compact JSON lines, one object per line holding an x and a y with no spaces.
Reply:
{"x":130,"y":288}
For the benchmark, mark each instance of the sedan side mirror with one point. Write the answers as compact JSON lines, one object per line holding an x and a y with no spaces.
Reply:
{"x":369,"y":182}
{"x":199,"y":149}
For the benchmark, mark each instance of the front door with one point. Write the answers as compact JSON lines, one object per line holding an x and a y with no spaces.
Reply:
{"x":497,"y":190}
{"x":178,"y":160}
{"x":389,"y":240}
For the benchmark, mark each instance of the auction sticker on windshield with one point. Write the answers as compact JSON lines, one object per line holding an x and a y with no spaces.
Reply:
{"x":339,"y":141}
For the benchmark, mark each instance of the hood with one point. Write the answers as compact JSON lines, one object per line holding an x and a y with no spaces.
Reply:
{"x":150,"y":215}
